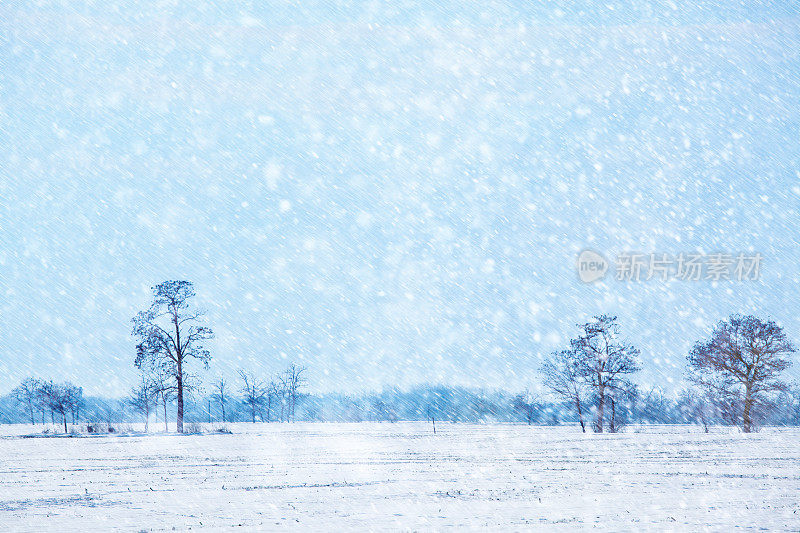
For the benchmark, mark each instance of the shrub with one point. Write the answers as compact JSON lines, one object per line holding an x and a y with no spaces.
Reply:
{"x":192,"y":428}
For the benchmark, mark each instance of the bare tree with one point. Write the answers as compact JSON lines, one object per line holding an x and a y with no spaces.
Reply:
{"x":254,"y":393}
{"x":170,"y":334}
{"x":652,"y":405}
{"x":695,"y":406}
{"x":220,"y":386}
{"x":430,"y":414}
{"x":282,"y":395}
{"x":143,"y":398}
{"x":293,"y":381}
{"x":793,"y":404}
{"x":26,"y":393}
{"x":47,"y":397}
{"x":274,"y":394}
{"x":75,"y":400}
{"x":624,"y":393}
{"x":165,"y":389}
{"x":562,"y":377}
{"x":604,"y":361}
{"x":59,"y":398}
{"x":742,"y":360}
{"x":41,"y":402}
{"x":526,"y":403}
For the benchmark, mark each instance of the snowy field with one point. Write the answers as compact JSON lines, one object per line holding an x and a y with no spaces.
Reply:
{"x":379,"y":476}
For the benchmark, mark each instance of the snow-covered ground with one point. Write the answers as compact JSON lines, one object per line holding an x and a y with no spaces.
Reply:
{"x":378,"y":476}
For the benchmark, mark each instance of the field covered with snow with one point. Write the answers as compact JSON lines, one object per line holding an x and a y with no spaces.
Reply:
{"x":378,"y":476}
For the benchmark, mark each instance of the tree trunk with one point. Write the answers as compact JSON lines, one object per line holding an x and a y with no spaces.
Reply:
{"x":223,"y":411}
{"x":179,"y":362}
{"x":166,"y":427}
{"x":580,"y":414}
{"x":613,"y":427}
{"x":601,"y":405}
{"x":180,"y":397}
{"x":65,"y":422}
{"x":747,"y":423}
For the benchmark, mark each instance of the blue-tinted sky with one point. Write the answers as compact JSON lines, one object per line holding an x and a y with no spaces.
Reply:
{"x":389,"y":193}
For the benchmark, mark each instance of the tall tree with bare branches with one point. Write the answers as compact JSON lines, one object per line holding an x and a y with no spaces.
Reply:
{"x":597,"y":361}
{"x":604,"y":361}
{"x":170,"y":334}
{"x":743,"y":359}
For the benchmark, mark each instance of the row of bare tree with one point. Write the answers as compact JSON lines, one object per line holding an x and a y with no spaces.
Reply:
{"x":265,"y":400}
{"x":739,"y":365}
{"x":735,"y":373}
{"x":171,"y":335}
{"x":736,"y":370}
{"x":60,"y":399}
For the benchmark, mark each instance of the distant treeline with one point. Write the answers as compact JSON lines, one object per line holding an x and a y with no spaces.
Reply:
{"x":439,"y":403}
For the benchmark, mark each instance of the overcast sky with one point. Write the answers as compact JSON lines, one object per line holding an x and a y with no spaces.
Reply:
{"x":389,"y":195}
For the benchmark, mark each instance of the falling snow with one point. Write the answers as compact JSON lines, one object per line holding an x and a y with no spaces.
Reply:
{"x":393,"y":196}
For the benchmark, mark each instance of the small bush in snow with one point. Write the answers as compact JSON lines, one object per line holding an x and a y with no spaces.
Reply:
{"x":192,"y":428}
